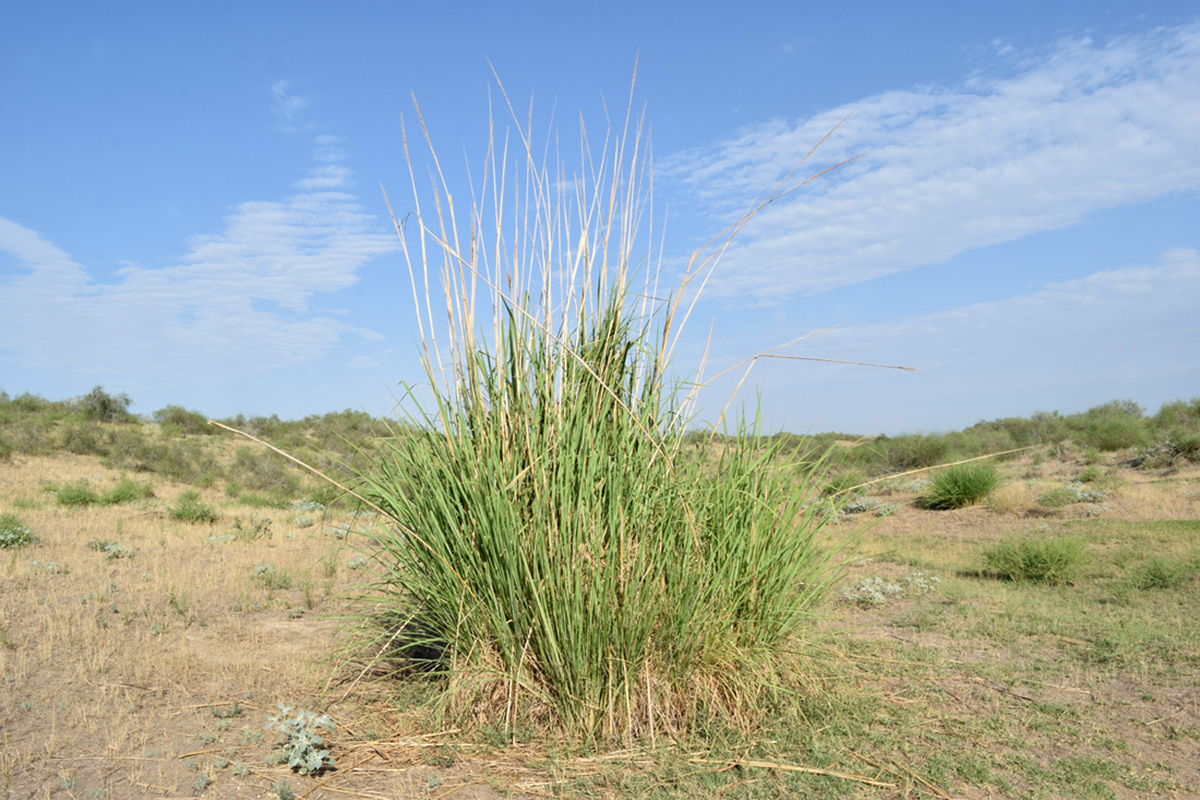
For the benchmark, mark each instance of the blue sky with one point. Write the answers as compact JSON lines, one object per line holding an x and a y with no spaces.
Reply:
{"x":190,"y":205}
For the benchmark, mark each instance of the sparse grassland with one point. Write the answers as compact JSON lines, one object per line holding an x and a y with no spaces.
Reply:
{"x":931,"y":669}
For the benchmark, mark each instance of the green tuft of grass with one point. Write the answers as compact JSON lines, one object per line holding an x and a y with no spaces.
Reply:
{"x":554,"y":549}
{"x":1050,"y":561}
{"x":127,"y":490}
{"x":190,"y":508}
{"x":961,"y":486}
{"x":78,"y":495}
{"x":1163,"y":573}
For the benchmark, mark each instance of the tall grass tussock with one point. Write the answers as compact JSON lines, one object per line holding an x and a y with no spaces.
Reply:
{"x":552,"y":557}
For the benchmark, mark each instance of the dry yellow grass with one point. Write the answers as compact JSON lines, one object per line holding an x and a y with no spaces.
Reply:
{"x":111,"y":669}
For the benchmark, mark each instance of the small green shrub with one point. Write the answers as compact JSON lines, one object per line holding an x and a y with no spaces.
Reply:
{"x":1162,"y":573}
{"x":911,"y":452}
{"x":272,"y":578}
{"x":264,"y":500}
{"x":127,"y":490}
{"x":15,"y":533}
{"x":178,"y":421}
{"x":961,"y":486}
{"x":84,"y":439}
{"x":189,"y":508}
{"x":300,"y":741}
{"x":100,"y":406}
{"x":112,"y":550}
{"x":77,"y":495}
{"x":1059,"y":497}
{"x":1049,"y":561}
{"x":257,"y":528}
{"x":264,"y":472}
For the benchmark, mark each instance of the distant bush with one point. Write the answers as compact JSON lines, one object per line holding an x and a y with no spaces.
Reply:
{"x":271,"y":578}
{"x":264,"y":471}
{"x":77,"y":495}
{"x":126,"y":491}
{"x":83,"y":438}
{"x":960,"y":486}
{"x":189,"y":508}
{"x":912,"y":452}
{"x":179,"y":421}
{"x":1049,"y":561}
{"x":182,"y":460}
{"x":1113,"y":426}
{"x":100,"y":406}
{"x":839,"y":483}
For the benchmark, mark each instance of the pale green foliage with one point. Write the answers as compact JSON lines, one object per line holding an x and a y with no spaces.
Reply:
{"x":14,"y":532}
{"x":300,"y":743}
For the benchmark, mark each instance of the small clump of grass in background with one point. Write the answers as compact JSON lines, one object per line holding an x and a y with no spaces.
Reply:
{"x":960,"y":486}
{"x":1052,"y":561}
{"x":127,"y":490}
{"x":78,"y":495}
{"x":271,"y":578}
{"x":1163,"y":573}
{"x":190,"y":508}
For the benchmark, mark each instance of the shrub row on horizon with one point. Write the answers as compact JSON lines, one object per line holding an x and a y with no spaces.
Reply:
{"x":92,"y":425}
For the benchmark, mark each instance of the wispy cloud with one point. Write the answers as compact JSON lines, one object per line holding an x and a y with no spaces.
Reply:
{"x":238,"y":302}
{"x":1118,"y":333}
{"x":1088,"y":127}
{"x":288,"y":107}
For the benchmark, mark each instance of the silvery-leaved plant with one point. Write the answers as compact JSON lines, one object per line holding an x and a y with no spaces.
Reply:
{"x":299,"y":742}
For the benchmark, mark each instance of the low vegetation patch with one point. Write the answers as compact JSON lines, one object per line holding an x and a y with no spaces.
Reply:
{"x":1052,"y":561}
{"x":77,"y":495}
{"x":960,"y":486}
{"x":190,"y":508}
{"x":14,"y":532}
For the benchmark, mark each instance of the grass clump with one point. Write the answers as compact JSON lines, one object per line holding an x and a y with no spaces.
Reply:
{"x":961,"y":486}
{"x":1163,"y":573}
{"x":552,"y":554}
{"x":190,"y":508}
{"x":1050,"y":561}
{"x":78,"y":495}
{"x":271,"y":578}
{"x":127,"y":490}
{"x":14,"y":532}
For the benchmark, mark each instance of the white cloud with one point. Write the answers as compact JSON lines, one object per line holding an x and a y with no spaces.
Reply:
{"x":1091,"y":126}
{"x":1125,"y":333}
{"x":236,"y":303}
{"x":287,"y":106}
